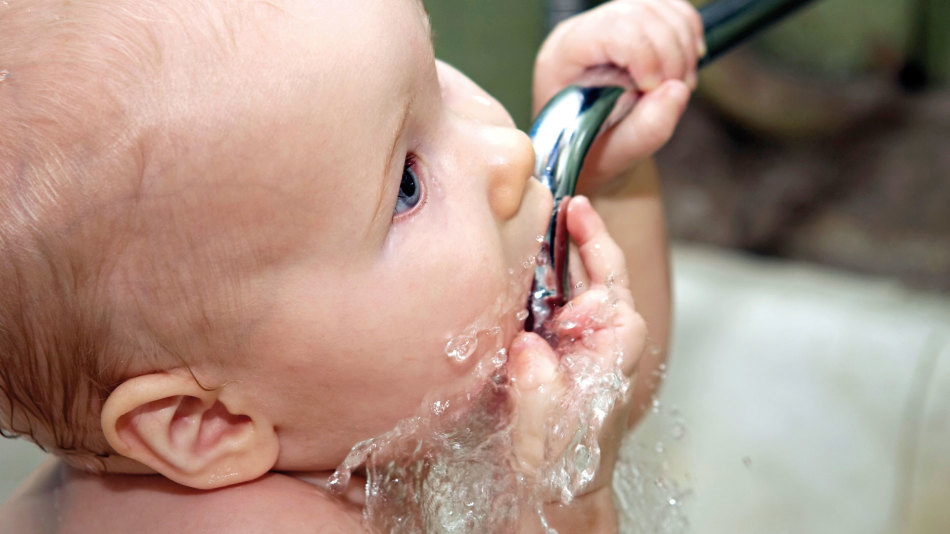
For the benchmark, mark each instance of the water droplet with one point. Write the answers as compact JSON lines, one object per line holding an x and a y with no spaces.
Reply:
{"x":494,"y":331}
{"x":579,"y":285}
{"x":499,"y":378}
{"x":581,"y":457}
{"x":4,"y":74}
{"x":539,"y":238}
{"x":461,"y":347}
{"x":522,"y":315}
{"x":618,"y":382}
{"x":338,"y":481}
{"x":500,"y":358}
{"x":678,"y":431}
{"x":439,"y":407}
{"x":660,"y":448}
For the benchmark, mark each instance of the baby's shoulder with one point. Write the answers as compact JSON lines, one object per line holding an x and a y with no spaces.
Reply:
{"x":85,"y":503}
{"x":275,"y":503}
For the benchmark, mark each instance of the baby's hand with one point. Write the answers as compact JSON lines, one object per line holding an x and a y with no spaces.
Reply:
{"x":656,"y":43}
{"x":600,"y":337}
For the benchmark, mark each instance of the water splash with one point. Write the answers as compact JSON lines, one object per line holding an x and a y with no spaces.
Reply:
{"x":461,"y":347}
{"x":500,"y":358}
{"x":450,"y":470}
{"x":650,"y":493}
{"x":451,"y":467}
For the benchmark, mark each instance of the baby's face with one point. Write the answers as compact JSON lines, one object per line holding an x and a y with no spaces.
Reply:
{"x":406,"y":193}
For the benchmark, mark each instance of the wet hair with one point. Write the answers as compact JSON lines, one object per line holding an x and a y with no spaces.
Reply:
{"x":53,"y":321}
{"x":68,"y":149}
{"x":54,"y":374}
{"x":108,"y":109}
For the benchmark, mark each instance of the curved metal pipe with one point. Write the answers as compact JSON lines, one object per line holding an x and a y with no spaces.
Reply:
{"x":567,"y":126}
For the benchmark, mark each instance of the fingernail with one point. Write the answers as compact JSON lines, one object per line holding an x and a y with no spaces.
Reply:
{"x":580,"y":201}
{"x":649,"y":82}
{"x":701,"y":48}
{"x":583,"y":222}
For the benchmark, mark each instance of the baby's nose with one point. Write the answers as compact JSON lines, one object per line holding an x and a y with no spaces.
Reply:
{"x":510,"y":158}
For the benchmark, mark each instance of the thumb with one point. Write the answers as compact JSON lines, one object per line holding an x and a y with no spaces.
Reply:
{"x":536,"y":391}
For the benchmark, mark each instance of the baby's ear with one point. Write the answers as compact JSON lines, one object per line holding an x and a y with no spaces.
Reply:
{"x":200,"y":438}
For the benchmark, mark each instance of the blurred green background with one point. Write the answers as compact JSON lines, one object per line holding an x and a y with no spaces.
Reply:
{"x":494,"y":41}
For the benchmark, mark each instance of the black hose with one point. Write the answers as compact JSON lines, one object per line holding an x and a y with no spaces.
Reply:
{"x":729,"y":22}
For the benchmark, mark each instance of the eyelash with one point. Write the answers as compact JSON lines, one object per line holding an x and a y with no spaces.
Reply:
{"x":418,"y":190}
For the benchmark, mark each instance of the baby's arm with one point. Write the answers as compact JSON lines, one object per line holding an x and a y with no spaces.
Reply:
{"x":635,"y":218}
{"x":657,"y":44}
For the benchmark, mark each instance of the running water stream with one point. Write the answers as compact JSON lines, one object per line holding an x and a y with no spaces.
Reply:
{"x":452,"y":468}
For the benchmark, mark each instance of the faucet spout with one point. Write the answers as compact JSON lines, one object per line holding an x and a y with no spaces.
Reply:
{"x":561,"y":136}
{"x":566,"y":128}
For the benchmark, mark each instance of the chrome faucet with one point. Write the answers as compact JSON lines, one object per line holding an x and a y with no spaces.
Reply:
{"x":567,"y":126}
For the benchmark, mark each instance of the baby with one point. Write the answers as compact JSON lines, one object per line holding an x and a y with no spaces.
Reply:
{"x":237,"y":237}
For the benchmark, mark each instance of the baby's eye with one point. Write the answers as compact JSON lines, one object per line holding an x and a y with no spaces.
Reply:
{"x":410,"y":189}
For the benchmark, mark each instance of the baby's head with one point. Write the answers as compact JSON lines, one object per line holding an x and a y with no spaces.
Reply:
{"x":238,"y":235}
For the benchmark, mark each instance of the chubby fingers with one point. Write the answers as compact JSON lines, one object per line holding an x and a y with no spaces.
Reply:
{"x":651,"y":40}
{"x":603,"y":320}
{"x":645,"y":130}
{"x":685,"y":27}
{"x":601,"y":325}
{"x":533,"y":371}
{"x":603,"y":259}
{"x":671,"y":44}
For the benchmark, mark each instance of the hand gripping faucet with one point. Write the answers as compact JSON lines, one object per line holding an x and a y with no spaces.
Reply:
{"x":567,"y":126}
